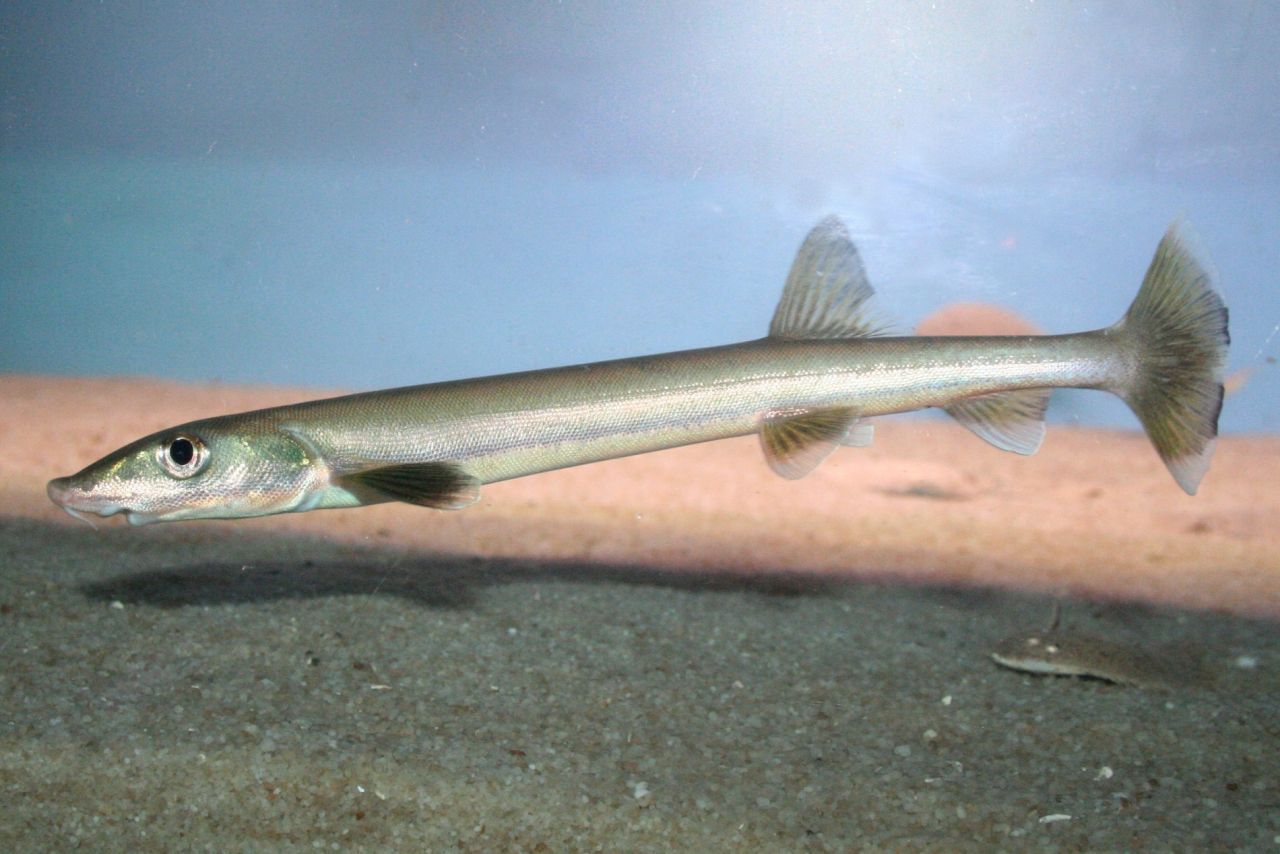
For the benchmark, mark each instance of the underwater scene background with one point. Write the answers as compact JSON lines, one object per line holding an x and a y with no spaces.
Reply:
{"x":212,"y":208}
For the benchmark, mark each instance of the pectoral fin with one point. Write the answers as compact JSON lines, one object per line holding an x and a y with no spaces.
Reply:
{"x":1010,"y":420}
{"x":796,"y":441}
{"x":442,"y":485}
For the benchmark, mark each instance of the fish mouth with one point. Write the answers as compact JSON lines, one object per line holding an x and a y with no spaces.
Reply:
{"x":80,"y":505}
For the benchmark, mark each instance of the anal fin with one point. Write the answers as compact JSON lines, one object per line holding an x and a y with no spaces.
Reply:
{"x":1010,"y":420}
{"x":796,"y":441}
{"x":441,"y":485}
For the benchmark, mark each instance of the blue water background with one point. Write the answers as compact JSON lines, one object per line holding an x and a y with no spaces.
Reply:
{"x":361,"y":197}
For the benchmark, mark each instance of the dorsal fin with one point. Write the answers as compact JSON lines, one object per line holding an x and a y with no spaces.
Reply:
{"x":827,"y":290}
{"x":795,"y":441}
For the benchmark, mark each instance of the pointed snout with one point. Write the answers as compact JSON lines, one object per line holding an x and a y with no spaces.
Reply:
{"x":59,"y":490}
{"x":78,"y":502}
{"x":74,"y":499}
{"x":69,"y":498}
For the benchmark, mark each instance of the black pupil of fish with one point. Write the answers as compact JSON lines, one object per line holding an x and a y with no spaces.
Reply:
{"x":181,"y":451}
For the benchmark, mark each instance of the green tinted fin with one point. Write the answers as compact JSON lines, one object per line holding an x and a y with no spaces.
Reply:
{"x":796,"y":441}
{"x":442,"y":485}
{"x":827,"y":291}
{"x":1176,"y":333}
{"x":1010,"y":420}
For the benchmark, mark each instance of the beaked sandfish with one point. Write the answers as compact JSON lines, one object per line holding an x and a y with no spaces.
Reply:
{"x":810,"y":385}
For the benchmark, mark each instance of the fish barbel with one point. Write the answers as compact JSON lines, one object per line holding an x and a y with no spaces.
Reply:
{"x":809,"y":386}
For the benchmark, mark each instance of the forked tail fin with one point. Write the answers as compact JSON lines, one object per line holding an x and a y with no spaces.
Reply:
{"x":1176,"y":335}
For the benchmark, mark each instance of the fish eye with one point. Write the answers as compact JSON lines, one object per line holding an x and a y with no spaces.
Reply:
{"x":183,"y":456}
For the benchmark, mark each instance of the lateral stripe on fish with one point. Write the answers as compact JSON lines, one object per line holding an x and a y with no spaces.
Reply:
{"x":806,"y":388}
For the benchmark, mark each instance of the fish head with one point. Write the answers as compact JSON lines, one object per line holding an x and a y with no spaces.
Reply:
{"x":213,"y":469}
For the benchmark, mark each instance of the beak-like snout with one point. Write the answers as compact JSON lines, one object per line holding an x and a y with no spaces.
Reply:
{"x":58,"y":490}
{"x":76,"y":501}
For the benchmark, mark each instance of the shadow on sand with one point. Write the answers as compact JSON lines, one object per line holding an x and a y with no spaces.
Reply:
{"x":186,"y":566}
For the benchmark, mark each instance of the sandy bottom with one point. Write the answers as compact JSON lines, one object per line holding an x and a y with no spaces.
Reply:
{"x":675,"y":650}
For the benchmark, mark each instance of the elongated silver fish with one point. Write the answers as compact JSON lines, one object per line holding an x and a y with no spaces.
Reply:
{"x":807,"y":387}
